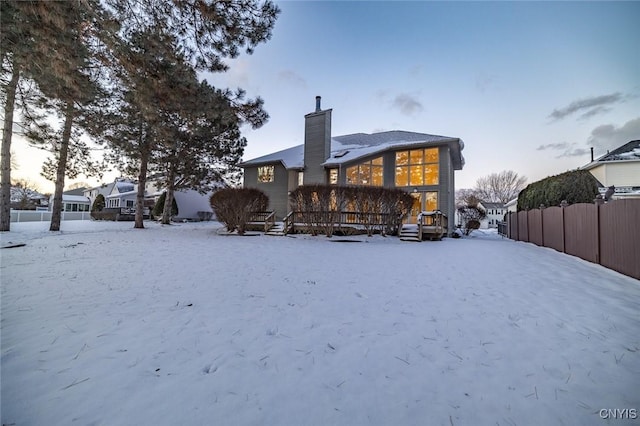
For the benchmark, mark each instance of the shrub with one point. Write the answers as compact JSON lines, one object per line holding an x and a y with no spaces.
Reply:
{"x":235,"y":206}
{"x":158,"y":208}
{"x":375,"y":208}
{"x":98,"y":203}
{"x":105,"y":215}
{"x":471,"y":217}
{"x":578,"y":186}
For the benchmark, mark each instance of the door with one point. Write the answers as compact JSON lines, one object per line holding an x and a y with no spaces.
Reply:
{"x":422,"y":201}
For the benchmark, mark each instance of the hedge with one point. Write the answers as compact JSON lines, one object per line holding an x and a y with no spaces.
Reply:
{"x":578,"y":186}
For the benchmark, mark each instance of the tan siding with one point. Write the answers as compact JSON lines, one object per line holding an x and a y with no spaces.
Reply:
{"x":623,"y":174}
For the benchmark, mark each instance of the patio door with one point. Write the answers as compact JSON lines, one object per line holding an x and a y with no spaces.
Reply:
{"x":422,"y":201}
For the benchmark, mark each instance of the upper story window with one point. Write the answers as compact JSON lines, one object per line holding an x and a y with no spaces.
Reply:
{"x":366,"y":173}
{"x":417,"y":167}
{"x":265,"y":174}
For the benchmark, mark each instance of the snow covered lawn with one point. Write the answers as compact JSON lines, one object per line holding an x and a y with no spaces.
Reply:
{"x":178,"y":325}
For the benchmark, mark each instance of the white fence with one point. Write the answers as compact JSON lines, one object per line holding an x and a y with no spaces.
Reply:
{"x":36,"y":216}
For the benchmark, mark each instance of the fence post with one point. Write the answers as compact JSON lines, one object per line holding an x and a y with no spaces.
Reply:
{"x":563,"y":228}
{"x":598,"y":231}
{"x":542,"y":226}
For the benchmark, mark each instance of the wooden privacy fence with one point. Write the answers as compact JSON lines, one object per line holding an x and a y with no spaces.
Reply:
{"x":608,"y":234}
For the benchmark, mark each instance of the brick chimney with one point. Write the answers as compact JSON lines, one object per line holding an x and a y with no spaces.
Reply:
{"x":317,"y":143}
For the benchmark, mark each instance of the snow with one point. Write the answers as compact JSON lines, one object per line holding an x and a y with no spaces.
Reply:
{"x":351,"y":147}
{"x":104,"y":324}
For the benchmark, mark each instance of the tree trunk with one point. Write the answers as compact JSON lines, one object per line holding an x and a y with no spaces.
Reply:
{"x":56,"y":213}
{"x":168,"y":200}
{"x":5,"y":190}
{"x":142,"y":183}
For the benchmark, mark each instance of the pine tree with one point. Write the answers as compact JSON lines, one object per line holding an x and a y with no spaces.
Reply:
{"x":61,"y":41}
{"x":163,"y":40}
{"x":19,"y":37}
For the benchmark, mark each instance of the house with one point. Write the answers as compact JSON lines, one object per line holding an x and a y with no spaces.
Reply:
{"x":511,"y":205}
{"x":71,"y":202}
{"x":103,"y":189}
{"x":27,"y":199}
{"x":420,"y":163}
{"x":121,"y":195}
{"x":619,"y":168}
{"x":495,"y":214}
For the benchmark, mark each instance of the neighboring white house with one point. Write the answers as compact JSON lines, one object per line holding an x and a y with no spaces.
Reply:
{"x":619,"y":168}
{"x":192,"y":205}
{"x":72,"y":203}
{"x":495,"y":213}
{"x":512,"y":206}
{"x":104,"y":189}
{"x":122,"y":193}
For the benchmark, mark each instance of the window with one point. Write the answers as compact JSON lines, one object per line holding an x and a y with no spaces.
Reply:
{"x":333,"y":176}
{"x":417,"y":167}
{"x":129,"y":203}
{"x":300,"y":178}
{"x":265,"y":174}
{"x":366,"y":173}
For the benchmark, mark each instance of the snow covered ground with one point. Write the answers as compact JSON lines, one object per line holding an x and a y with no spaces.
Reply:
{"x":178,"y":325}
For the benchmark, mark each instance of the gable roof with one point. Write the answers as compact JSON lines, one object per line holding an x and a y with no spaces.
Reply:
{"x":351,"y":147}
{"x":627,"y":152}
{"x":291,"y":158}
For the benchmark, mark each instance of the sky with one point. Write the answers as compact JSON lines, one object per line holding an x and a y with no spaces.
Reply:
{"x":528,"y":86}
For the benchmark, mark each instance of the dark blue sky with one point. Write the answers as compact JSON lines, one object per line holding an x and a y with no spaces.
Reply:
{"x":529,"y":86}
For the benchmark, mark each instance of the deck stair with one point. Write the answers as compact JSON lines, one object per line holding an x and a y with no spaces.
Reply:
{"x":410,"y":232}
{"x":277,"y":229}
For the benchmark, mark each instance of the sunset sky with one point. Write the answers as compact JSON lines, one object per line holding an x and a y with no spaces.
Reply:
{"x":528,"y":86}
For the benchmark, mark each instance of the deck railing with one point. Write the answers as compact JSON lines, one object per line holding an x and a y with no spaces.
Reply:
{"x":432,"y":224}
{"x":327,"y":222}
{"x":269,"y":221}
{"x":288,"y":223}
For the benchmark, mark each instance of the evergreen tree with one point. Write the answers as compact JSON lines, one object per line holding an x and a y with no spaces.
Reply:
{"x":161,"y":41}
{"x":98,"y":203}
{"x":60,"y":38}
{"x":20,"y":36}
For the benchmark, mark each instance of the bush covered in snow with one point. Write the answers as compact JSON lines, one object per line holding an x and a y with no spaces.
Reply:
{"x":471,"y":215}
{"x":235,"y":206}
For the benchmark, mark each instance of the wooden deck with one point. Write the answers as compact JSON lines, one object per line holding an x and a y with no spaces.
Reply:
{"x":431,"y":225}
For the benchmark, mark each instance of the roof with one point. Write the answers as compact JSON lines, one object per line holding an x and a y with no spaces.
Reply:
{"x":76,"y":191}
{"x":291,"y":158}
{"x":511,"y":202}
{"x":627,"y":152}
{"x":491,"y":205}
{"x":347,"y":148}
{"x":74,"y":198}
